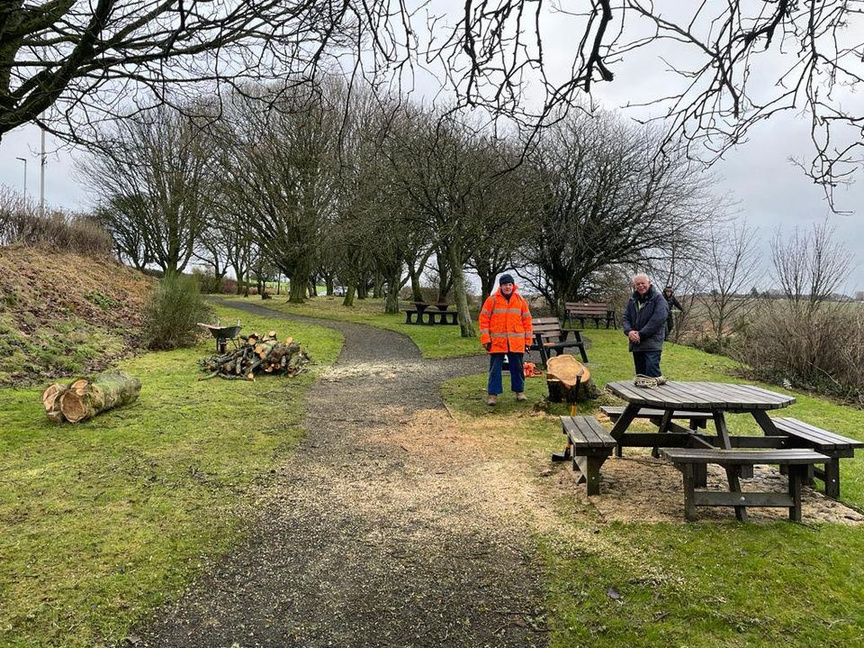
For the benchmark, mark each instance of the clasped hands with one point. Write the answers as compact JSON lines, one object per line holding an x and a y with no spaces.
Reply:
{"x":633,"y":336}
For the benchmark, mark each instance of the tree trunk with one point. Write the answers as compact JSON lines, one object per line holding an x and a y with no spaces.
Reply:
{"x":416,"y":293}
{"x":84,"y":399}
{"x":391,"y":299}
{"x":466,"y":326}
{"x":350,"y":291}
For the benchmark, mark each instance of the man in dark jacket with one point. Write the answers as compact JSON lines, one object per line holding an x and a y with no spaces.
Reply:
{"x":645,"y":326}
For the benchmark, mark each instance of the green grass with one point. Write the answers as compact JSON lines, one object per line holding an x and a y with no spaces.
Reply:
{"x":723,"y":585}
{"x":703,"y":584}
{"x":103,"y":521}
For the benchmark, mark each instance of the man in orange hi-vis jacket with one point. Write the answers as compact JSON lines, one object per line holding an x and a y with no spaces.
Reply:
{"x":505,"y":332}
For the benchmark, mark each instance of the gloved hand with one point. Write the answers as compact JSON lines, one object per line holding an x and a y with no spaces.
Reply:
{"x":488,"y":346}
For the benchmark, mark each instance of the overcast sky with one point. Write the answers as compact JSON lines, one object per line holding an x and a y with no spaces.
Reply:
{"x":768,"y":190}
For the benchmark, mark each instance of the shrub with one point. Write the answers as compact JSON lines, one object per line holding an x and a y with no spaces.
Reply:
{"x":171,"y":316}
{"x":813,"y":348}
{"x":207,"y":283}
{"x":56,"y":231}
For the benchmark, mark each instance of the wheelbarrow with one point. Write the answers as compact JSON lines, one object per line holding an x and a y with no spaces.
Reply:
{"x":223,"y":334}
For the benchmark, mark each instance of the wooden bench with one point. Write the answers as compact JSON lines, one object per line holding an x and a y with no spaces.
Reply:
{"x":442,"y":317}
{"x":590,"y":445}
{"x":549,"y":338}
{"x":797,"y":462}
{"x":695,"y":420}
{"x":410,"y":313}
{"x":590,"y":311}
{"x":833,"y":446}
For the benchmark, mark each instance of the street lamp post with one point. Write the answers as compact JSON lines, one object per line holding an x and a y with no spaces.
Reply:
{"x":24,"y":160}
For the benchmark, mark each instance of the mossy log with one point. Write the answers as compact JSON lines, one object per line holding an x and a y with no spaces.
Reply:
{"x":84,"y":399}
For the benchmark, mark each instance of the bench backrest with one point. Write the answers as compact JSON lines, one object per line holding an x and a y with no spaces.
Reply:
{"x":545,"y":324}
{"x":587,"y":308}
{"x":547,"y":328}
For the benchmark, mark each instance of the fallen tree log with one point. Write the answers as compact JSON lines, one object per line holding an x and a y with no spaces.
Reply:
{"x":84,"y":398}
{"x":257,"y":354}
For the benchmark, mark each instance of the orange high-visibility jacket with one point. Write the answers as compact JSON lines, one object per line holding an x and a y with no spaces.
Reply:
{"x":506,"y":324}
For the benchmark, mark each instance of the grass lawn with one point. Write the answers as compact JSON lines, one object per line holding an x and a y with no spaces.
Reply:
{"x":104,"y":520}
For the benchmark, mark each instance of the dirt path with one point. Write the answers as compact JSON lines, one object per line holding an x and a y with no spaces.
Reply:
{"x":371,"y":537}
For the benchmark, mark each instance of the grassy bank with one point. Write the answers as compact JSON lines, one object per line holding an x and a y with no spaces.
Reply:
{"x":104,"y":520}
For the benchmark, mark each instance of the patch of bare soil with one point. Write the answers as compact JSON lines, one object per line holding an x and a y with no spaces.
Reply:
{"x":638,"y":487}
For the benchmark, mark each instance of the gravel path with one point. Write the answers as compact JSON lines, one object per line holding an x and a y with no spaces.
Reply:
{"x":366,"y":540}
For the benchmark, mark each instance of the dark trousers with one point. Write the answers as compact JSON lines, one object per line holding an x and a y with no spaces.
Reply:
{"x":517,"y":375}
{"x":647,"y":363}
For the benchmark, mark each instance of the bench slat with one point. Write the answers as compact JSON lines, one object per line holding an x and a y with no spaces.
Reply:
{"x":584,"y":431}
{"x":791,"y":456}
{"x":817,"y":436}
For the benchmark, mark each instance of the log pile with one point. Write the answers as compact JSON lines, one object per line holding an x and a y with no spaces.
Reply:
{"x":84,"y":398}
{"x":255,"y":355}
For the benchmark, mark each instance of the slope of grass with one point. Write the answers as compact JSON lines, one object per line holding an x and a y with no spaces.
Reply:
{"x":104,"y":520}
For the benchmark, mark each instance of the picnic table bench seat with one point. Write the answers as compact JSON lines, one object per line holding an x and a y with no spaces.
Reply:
{"x":590,"y":444}
{"x":797,"y":462}
{"x":695,"y":419}
{"x":596,"y":312}
{"x":550,"y":338}
{"x":833,"y":446}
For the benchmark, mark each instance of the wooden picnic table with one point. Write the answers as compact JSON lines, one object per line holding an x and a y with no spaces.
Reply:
{"x":421,"y":313}
{"x":715,"y":398}
{"x":718,"y":399}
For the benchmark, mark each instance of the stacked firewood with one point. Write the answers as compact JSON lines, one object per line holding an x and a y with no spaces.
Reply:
{"x":85,"y":398}
{"x":257,"y":354}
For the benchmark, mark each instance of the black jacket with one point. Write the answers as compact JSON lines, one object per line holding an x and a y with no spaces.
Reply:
{"x":646,"y":314}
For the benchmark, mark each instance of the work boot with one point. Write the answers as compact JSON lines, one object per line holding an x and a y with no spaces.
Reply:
{"x":493,"y":400}
{"x":521,"y":396}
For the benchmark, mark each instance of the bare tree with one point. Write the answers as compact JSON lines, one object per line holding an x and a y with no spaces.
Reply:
{"x":730,"y":64}
{"x":810,"y":267}
{"x":69,"y":64}
{"x":809,"y":337}
{"x":733,"y":267}
{"x":154,"y":182}
{"x":606,"y":195}
{"x":280,"y":169}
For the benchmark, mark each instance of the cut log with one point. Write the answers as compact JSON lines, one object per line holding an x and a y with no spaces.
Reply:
{"x":51,"y":402}
{"x":84,"y":399}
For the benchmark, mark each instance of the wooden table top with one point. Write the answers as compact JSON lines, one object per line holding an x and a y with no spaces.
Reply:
{"x":700,"y":396}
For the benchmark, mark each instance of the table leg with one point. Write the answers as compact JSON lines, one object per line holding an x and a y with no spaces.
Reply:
{"x":622,"y":424}
{"x":765,"y":422}
{"x":663,"y":428}
{"x":731,"y":471}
